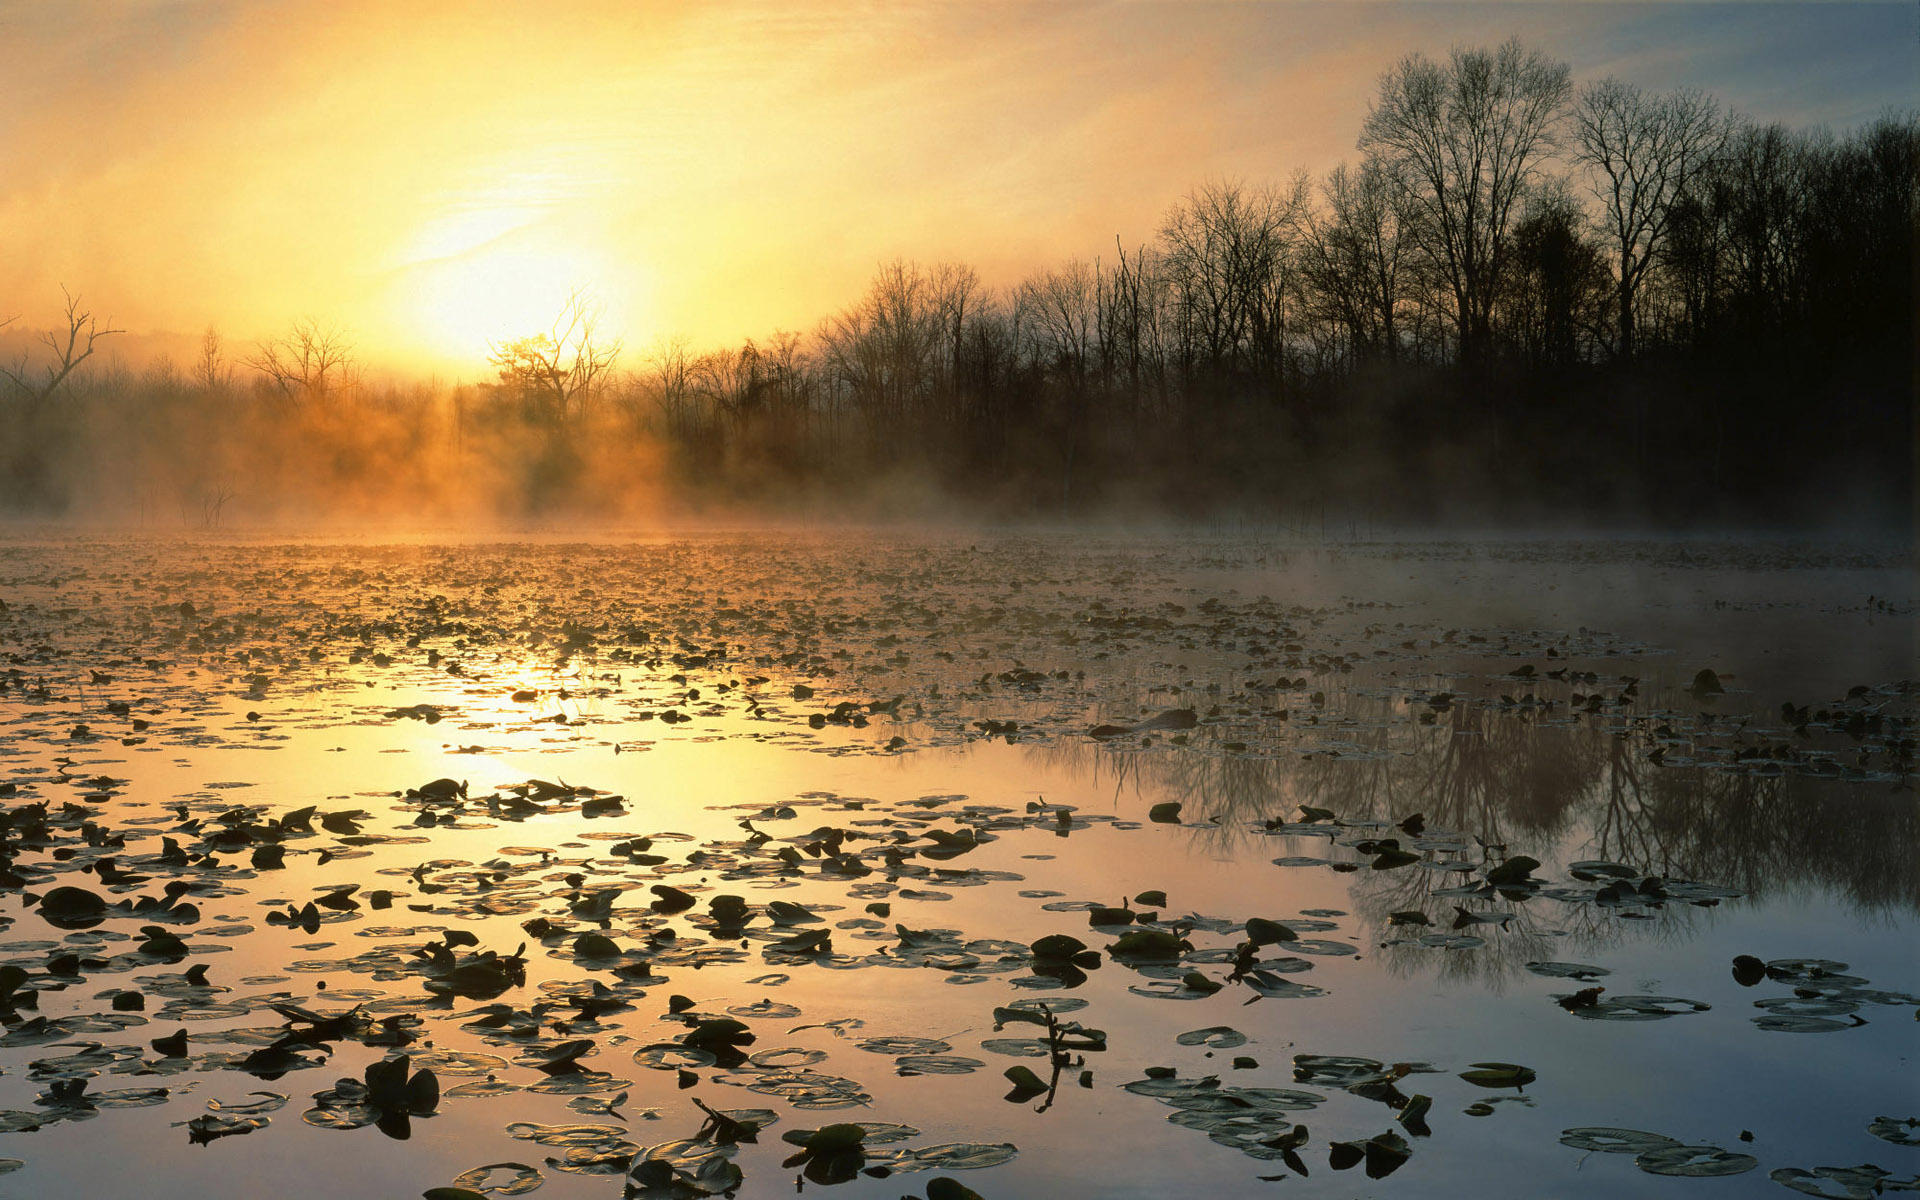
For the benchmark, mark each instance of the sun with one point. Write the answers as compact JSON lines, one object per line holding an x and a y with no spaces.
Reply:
{"x":484,"y":274}
{"x":463,"y":304}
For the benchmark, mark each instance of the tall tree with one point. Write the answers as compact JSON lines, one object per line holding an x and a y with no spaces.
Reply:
{"x":1555,"y":298}
{"x":1644,"y":150}
{"x":1463,"y":142}
{"x":1353,"y":260}
{"x":1227,"y":249}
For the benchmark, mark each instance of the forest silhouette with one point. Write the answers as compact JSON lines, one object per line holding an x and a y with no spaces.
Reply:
{"x":1529,"y":300}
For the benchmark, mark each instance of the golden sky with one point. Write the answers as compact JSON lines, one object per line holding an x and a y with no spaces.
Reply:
{"x":429,"y":176}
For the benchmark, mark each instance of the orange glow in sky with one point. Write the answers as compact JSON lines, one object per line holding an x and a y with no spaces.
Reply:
{"x":433,"y":177}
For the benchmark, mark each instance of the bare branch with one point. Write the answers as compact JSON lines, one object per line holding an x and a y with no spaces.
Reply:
{"x":312,"y":362}
{"x":560,"y":372}
{"x":68,"y":347}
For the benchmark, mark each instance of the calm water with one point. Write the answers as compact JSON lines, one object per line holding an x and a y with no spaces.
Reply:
{"x":893,"y":734}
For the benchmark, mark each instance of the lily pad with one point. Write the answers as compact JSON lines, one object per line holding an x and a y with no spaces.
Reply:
{"x":500,"y":1179}
{"x":1566,"y":970}
{"x":1499,"y":1075}
{"x":1216,"y":1037}
{"x":936,"y":1064}
{"x":903,"y":1045}
{"x":1639,"y":1008}
{"x":1694,"y":1161}
{"x":1834,"y":1183}
{"x":1899,"y":1131}
{"x":957,"y":1156}
{"x":1609,"y":1140}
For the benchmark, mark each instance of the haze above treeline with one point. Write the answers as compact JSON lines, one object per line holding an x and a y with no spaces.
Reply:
{"x":1529,"y":297}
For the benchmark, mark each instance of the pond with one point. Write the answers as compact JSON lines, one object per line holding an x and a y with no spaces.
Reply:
{"x":947,"y":864}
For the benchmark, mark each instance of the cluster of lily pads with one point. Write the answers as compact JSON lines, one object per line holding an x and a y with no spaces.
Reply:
{"x":132,"y":901}
{"x":620,"y":952}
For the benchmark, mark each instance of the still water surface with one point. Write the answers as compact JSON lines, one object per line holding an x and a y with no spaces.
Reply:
{"x":895,"y":734}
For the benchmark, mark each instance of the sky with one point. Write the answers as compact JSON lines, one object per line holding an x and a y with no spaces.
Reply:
{"x":429,"y":177}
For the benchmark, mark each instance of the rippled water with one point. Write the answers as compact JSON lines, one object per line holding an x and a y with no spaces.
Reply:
{"x":894,"y":733}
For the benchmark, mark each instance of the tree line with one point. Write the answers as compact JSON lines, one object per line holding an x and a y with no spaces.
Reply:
{"x":1525,"y":298}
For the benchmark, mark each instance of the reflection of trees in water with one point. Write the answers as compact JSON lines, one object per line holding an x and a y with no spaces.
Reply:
{"x":1483,"y":773}
{"x":1496,"y":776}
{"x":1761,"y":833}
{"x":1541,"y":929}
{"x":1581,"y":789}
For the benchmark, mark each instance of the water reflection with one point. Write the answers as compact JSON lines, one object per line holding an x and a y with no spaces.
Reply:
{"x":1559,"y":790}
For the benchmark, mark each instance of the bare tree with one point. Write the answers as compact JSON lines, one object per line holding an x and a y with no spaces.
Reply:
{"x":670,"y":380}
{"x":311,"y":363}
{"x":733,"y":382}
{"x":1644,"y":150}
{"x":1353,"y":259}
{"x":70,"y":348}
{"x":1463,"y":142}
{"x":213,"y":504}
{"x":560,"y":371}
{"x":1227,"y":252}
{"x":161,"y":375}
{"x":1554,"y":301}
{"x":1768,"y":175}
{"x":1062,"y":313}
{"x":210,"y":370}
{"x":883,"y":351}
{"x":956,"y":295}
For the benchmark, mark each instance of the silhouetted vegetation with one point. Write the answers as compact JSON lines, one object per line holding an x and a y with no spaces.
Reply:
{"x":1525,"y":300}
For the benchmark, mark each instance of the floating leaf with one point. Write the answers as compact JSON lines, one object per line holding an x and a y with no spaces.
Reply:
{"x":1515,"y":870}
{"x":1901,"y":1132}
{"x":1147,"y":945}
{"x":72,"y":908}
{"x":1836,"y":1183}
{"x":212,"y":1126}
{"x":1016,"y":1047}
{"x":500,"y":1179}
{"x":1639,"y":1008}
{"x":1025,"y":1083}
{"x":1217,"y":1037}
{"x":267,"y":1103}
{"x":1059,"y":946}
{"x":1262,"y":932}
{"x":1698,"y":1161}
{"x":957,"y":1156}
{"x":1565,"y":970}
{"x":1273,"y":987}
{"x":1498,"y":1075}
{"x":1609,"y":1140}
{"x":936,"y":1064}
{"x":1383,"y":1154}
